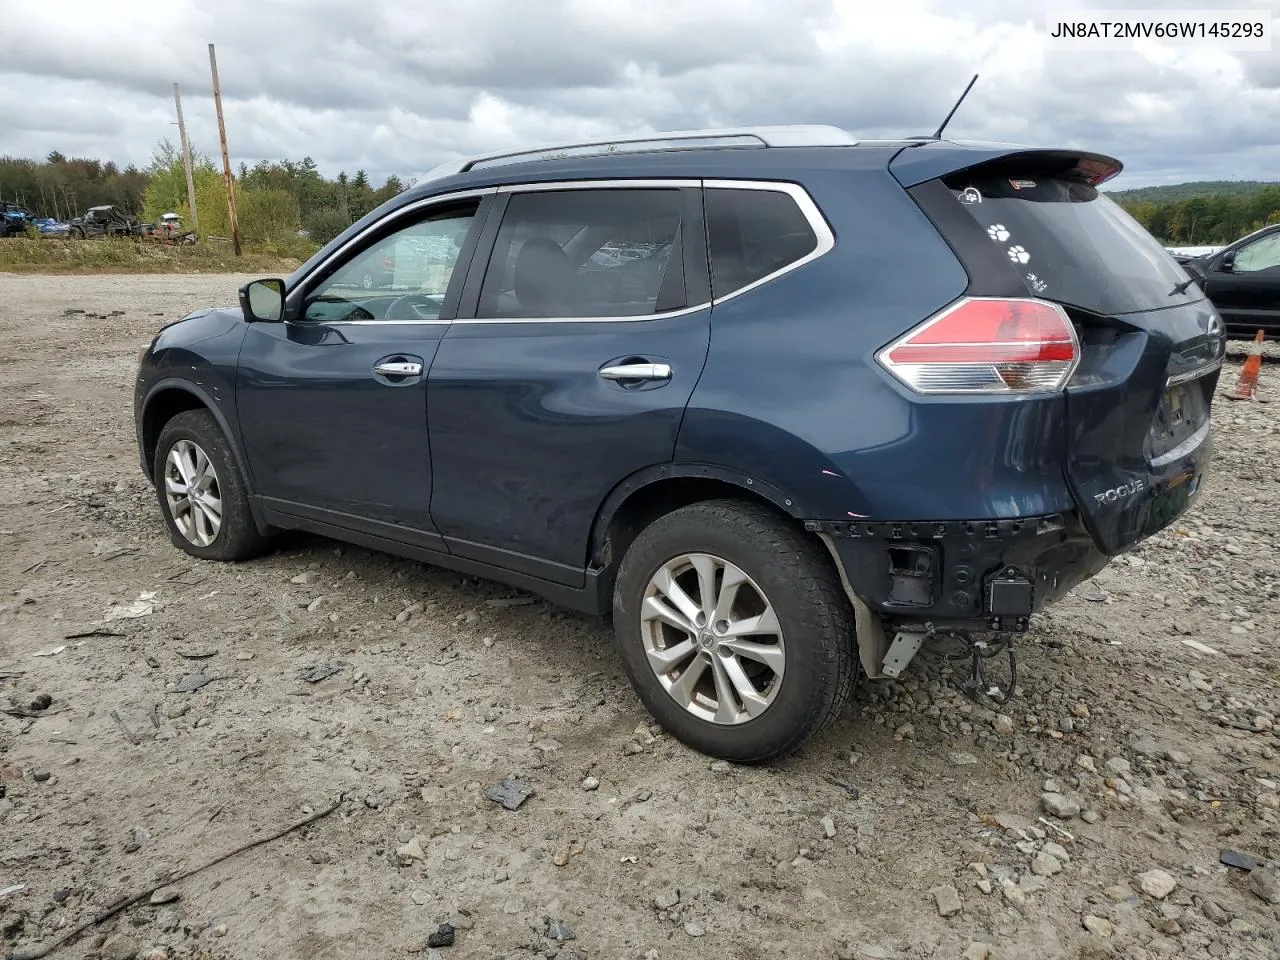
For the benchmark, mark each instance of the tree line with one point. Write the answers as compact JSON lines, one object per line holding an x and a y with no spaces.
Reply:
{"x":274,"y":201}
{"x":1206,"y":219}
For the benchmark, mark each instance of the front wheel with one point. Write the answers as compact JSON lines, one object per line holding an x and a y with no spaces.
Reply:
{"x":734,"y":630}
{"x":202,"y":495}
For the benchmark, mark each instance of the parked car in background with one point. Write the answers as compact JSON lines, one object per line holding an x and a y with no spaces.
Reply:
{"x":1242,"y":280}
{"x":50,"y":227}
{"x":739,"y":390}
{"x":105,"y":221}
{"x":14,"y":220}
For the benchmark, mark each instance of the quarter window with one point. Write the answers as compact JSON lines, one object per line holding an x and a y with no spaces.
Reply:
{"x":753,"y":234}
{"x":1262,"y":254}
{"x":401,"y":277}
{"x":586,"y":253}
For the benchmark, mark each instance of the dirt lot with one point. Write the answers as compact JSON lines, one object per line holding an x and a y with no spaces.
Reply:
{"x":917,"y":804}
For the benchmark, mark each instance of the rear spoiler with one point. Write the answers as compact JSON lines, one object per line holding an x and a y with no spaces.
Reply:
{"x":933,"y":159}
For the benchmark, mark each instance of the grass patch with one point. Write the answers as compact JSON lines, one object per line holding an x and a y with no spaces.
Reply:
{"x":120,"y":255}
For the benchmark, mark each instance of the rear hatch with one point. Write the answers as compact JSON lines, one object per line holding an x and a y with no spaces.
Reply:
{"x":1137,"y":407}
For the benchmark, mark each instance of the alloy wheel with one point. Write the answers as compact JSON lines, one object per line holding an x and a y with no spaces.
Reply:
{"x":712,"y":638}
{"x":192,"y":493}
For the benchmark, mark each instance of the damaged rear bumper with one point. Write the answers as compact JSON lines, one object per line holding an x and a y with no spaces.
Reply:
{"x":964,"y":575}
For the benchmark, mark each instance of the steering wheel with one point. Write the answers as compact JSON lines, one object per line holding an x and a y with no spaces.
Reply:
{"x":419,"y":306}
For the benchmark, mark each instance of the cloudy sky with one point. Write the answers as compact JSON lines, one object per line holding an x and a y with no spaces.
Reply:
{"x":399,"y":85}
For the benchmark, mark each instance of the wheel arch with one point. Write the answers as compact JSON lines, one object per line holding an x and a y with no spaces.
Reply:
{"x":166,"y":400}
{"x":649,"y":493}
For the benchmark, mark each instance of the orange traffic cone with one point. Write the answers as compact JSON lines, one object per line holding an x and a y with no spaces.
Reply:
{"x":1247,"y":385}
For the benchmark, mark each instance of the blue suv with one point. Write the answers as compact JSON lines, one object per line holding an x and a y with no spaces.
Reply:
{"x":782,"y":404}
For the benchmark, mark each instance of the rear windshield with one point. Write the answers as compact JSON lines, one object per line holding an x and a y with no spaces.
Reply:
{"x":1074,"y":245}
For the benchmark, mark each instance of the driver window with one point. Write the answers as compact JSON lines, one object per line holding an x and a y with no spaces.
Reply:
{"x":1260,"y":255}
{"x":401,"y":277}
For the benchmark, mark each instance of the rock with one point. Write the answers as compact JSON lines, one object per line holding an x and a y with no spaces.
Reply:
{"x":153,"y":953}
{"x":1091,"y":816}
{"x":1080,"y":711}
{"x":694,"y":928}
{"x":559,"y":930}
{"x":40,"y":776}
{"x":591,"y":783}
{"x":1011,"y":821}
{"x":1214,"y":913}
{"x":1264,"y":883}
{"x":907,"y":731}
{"x":985,"y":886}
{"x":946,"y":899}
{"x":1067,"y":725}
{"x":1045,"y":865}
{"x":1097,"y":925}
{"x":1147,"y":748}
{"x":1178,"y":757}
{"x":1057,"y":851}
{"x":667,"y":898}
{"x":1156,"y":884}
{"x":170,"y":919}
{"x":962,"y":759}
{"x":412,"y":850}
{"x":175,"y":710}
{"x":1003,"y":724}
{"x":511,"y":793}
{"x":119,"y":947}
{"x":1064,"y":808}
{"x":828,"y":827}
{"x":443,"y":937}
{"x":1013,"y":894}
{"x":977,"y":951}
{"x":1117,"y":766}
{"x":1031,"y":883}
{"x":219,"y":931}
{"x":304,"y":578}
{"x":719,"y":766}
{"x":164,"y":895}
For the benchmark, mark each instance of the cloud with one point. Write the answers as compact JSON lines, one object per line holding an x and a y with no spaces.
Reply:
{"x":396,"y":86}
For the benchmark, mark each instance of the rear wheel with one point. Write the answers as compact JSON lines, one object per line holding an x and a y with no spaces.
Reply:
{"x":734,"y":630}
{"x":202,"y":495}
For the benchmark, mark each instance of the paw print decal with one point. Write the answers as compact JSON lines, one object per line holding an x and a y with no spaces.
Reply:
{"x":1038,"y":285}
{"x":998,"y":233}
{"x":1018,"y":254}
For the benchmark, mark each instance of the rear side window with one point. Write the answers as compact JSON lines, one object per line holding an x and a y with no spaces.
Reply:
{"x":752,"y":235}
{"x":1074,"y":245}
{"x":586,"y":253}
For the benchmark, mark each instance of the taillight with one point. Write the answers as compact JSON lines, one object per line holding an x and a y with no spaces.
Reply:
{"x":987,"y":345}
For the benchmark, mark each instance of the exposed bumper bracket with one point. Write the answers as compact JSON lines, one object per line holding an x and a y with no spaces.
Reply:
{"x":905,"y":645}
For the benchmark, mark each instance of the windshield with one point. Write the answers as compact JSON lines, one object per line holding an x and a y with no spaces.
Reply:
{"x":1074,"y":245}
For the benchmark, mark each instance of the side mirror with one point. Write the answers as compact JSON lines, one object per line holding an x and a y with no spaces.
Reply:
{"x":262,"y":301}
{"x":1227,"y":263}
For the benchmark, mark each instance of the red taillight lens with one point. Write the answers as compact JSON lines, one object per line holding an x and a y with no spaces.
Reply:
{"x":987,"y":346}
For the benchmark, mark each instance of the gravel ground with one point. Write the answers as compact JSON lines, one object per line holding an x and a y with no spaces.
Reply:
{"x":1085,"y":821}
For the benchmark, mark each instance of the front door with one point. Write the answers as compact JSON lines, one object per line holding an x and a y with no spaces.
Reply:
{"x":1247,"y":291}
{"x":569,"y":368}
{"x":333,"y":401}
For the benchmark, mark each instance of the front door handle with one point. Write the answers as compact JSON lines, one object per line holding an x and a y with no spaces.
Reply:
{"x":398,"y":368}
{"x":637,"y":371}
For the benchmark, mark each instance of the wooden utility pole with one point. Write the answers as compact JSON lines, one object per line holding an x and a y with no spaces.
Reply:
{"x":186,"y":161}
{"x":226,"y":157}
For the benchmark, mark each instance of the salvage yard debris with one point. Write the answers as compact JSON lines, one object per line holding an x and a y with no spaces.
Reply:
{"x":511,"y":793}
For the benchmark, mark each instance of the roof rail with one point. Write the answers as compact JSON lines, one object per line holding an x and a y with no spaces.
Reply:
{"x":813,"y":135}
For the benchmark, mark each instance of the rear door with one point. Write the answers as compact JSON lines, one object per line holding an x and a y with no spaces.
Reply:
{"x":579,"y":341}
{"x":1138,"y":437}
{"x":1244,"y":284}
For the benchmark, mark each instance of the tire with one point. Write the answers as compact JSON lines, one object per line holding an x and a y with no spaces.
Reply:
{"x":194,"y":438}
{"x":785,"y":571}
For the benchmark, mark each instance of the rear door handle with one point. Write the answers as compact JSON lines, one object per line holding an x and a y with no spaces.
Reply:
{"x":398,"y":368}
{"x":637,"y":371}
